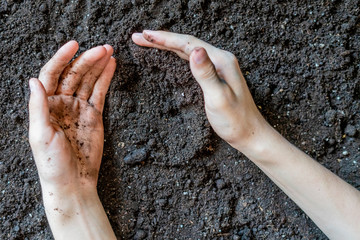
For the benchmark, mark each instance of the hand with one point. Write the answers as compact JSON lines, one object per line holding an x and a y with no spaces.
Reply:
{"x":66,"y":129}
{"x":228,"y":103}
{"x":67,"y":138}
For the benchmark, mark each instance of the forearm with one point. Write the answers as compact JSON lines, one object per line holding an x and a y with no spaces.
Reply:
{"x":328,"y":200}
{"x":77,"y":215}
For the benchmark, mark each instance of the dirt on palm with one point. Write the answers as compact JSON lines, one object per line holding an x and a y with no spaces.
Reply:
{"x":179,"y":180}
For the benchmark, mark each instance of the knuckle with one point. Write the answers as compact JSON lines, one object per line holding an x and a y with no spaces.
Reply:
{"x":209,"y":72}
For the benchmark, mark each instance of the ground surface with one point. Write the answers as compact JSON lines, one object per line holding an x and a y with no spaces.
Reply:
{"x":301,"y":61}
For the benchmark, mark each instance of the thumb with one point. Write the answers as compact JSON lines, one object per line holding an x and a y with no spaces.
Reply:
{"x":204,"y":71}
{"x":38,"y":108}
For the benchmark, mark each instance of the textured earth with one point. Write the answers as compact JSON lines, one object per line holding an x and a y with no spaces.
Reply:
{"x":179,"y":180}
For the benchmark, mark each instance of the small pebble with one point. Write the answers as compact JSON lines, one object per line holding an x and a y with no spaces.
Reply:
{"x":139,"y":235}
{"x":330,"y":116}
{"x":16,"y":228}
{"x":331,"y":141}
{"x":350,"y":130}
{"x":267,"y":92}
{"x":345,"y":153}
{"x":163,"y":134}
{"x":43,"y":8}
{"x":79,"y":28}
{"x":151,"y":143}
{"x":136,"y":156}
{"x":247,"y":177}
{"x":161,"y":202}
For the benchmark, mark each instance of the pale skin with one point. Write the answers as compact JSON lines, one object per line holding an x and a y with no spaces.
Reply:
{"x":69,"y":178}
{"x":67,"y":137}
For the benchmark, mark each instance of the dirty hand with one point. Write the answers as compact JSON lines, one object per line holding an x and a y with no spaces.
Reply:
{"x":67,"y":138}
{"x":66,"y":129}
{"x":228,"y":103}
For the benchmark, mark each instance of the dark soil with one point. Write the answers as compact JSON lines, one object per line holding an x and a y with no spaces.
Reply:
{"x":180,"y":181}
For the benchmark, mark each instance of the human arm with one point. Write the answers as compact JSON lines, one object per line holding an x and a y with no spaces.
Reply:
{"x":328,"y":200}
{"x":66,"y":135}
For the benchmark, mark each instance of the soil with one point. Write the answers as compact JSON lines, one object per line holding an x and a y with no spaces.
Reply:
{"x":179,"y":180}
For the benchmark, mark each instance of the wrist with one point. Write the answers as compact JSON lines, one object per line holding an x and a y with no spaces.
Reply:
{"x":261,"y":142}
{"x":69,"y":202}
{"x":76,"y":214}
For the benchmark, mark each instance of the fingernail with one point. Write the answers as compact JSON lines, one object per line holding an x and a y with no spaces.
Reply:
{"x":148,"y":31}
{"x":200,"y":55}
{"x":72,"y":42}
{"x":137,"y":35}
{"x":32,"y":84}
{"x":109,"y":49}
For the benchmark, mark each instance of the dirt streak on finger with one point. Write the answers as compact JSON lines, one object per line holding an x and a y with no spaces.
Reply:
{"x":97,"y":98}
{"x":179,"y":42}
{"x":139,"y":39}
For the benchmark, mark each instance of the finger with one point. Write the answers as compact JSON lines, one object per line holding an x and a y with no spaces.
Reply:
{"x":204,"y":72}
{"x":139,"y":39}
{"x":71,"y":77}
{"x":50,"y":73}
{"x":89,"y":79}
{"x":175,"y":41}
{"x":38,"y":111}
{"x":101,"y":87}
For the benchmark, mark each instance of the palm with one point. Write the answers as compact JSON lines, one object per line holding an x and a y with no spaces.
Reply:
{"x":82,"y":128}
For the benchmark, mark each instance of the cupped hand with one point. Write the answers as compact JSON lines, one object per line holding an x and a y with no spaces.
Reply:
{"x":228,"y":102}
{"x":66,"y":129}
